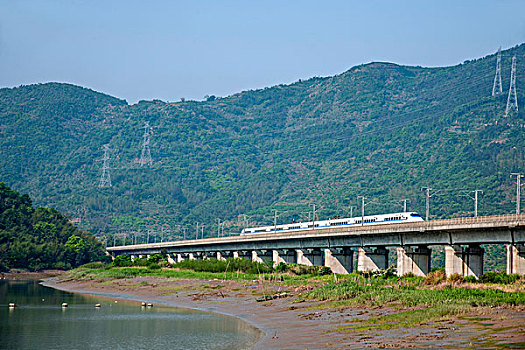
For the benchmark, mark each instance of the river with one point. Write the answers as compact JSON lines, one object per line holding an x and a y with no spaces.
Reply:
{"x":39,"y":322}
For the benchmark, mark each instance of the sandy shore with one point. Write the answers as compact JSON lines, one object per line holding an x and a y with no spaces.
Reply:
{"x":289,"y":323}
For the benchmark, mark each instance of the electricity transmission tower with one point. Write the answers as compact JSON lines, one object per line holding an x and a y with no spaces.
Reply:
{"x":105,"y":178}
{"x":512,"y":99}
{"x":145,"y":156}
{"x":497,"y":88}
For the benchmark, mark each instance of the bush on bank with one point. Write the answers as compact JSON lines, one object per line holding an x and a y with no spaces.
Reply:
{"x":213,"y":265}
{"x":156,"y":261}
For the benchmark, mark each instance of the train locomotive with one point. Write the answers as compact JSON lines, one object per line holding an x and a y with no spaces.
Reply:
{"x":393,"y":218}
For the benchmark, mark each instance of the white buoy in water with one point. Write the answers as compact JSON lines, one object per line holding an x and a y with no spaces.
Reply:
{"x":12,"y":305}
{"x":143,"y":304}
{"x":150,"y":305}
{"x":97,"y":305}
{"x":64,"y":304}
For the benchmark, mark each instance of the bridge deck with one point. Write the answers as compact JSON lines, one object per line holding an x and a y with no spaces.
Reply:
{"x":509,"y":229}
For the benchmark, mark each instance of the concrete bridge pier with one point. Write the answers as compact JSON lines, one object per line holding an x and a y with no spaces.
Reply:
{"x":170,"y":258}
{"x":262,"y":255}
{"x":414,"y":260}
{"x":243,"y":254}
{"x":221,"y":255}
{"x":372,"y":259}
{"x":180,"y":257}
{"x":256,"y":256}
{"x":286,"y":256}
{"x":191,"y":256}
{"x":466,"y":261}
{"x":133,"y":257}
{"x":310,"y":257}
{"x":516,"y":259}
{"x":340,"y":260}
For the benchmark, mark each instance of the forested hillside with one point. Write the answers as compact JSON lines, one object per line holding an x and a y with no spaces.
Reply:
{"x":378,"y":130}
{"x":40,"y":238}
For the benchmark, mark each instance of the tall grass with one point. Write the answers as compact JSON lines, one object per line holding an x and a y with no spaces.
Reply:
{"x":360,"y":291}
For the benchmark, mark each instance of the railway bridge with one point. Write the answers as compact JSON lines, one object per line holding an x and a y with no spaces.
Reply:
{"x":336,"y":247}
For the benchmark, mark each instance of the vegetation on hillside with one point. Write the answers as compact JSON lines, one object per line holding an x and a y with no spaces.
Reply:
{"x":39,"y":238}
{"x":378,"y":130}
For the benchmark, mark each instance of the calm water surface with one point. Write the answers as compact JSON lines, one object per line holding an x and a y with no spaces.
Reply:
{"x":39,"y":322}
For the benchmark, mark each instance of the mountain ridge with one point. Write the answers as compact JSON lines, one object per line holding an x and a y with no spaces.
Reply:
{"x":379,"y":129}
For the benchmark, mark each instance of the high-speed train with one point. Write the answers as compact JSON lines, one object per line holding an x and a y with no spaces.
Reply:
{"x":393,"y":218}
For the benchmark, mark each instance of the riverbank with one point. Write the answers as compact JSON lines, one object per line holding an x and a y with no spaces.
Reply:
{"x":23,"y":275}
{"x":300,"y":321}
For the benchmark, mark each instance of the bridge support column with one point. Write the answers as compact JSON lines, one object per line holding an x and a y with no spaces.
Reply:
{"x":372,"y":259}
{"x":255,"y":256}
{"x":180,"y":258}
{"x":286,"y":256}
{"x":170,"y":259}
{"x":133,"y":257}
{"x":191,"y":256}
{"x":413,"y":260}
{"x":310,"y":257}
{"x":516,"y":259}
{"x":340,"y":260}
{"x":466,"y":261}
{"x":220,"y":255}
{"x":243,"y":254}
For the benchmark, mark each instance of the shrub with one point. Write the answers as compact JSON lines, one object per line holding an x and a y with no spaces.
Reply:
{"x":282,"y":267}
{"x":409,"y":275}
{"x":122,"y":260}
{"x":385,"y":274}
{"x":155,"y":258}
{"x":62,"y":265}
{"x":141,"y":262}
{"x":154,"y":266}
{"x":325,"y":270}
{"x":435,"y":277}
{"x":498,"y":277}
{"x":237,"y":264}
{"x":455,"y":278}
{"x":470,"y":279}
{"x":106,"y":259}
{"x":95,"y":265}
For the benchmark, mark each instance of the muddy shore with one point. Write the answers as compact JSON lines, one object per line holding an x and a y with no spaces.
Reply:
{"x":291,"y":323}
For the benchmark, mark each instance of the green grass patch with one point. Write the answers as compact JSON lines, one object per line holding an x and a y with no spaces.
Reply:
{"x":408,"y":318}
{"x":360,"y":291}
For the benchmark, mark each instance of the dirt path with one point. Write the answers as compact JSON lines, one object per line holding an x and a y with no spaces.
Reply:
{"x":289,"y":323}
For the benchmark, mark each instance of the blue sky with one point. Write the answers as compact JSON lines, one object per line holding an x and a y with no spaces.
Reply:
{"x":171,"y":49}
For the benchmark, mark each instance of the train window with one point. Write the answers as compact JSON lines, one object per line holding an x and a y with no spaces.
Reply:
{"x":416,"y":215}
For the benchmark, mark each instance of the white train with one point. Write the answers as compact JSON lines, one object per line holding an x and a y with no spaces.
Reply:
{"x":393,"y":218}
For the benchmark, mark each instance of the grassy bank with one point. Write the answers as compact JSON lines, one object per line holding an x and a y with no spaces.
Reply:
{"x":407,"y":300}
{"x":415,"y":301}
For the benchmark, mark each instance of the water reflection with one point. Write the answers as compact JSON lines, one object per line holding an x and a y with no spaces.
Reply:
{"x":39,"y":322}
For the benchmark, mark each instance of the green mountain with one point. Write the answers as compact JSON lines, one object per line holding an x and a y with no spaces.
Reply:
{"x":378,"y":130}
{"x":40,"y":238}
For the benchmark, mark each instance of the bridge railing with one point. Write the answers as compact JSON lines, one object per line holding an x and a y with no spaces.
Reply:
{"x":514,"y":218}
